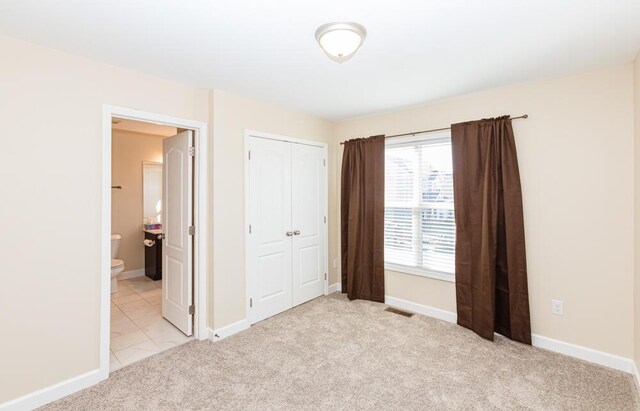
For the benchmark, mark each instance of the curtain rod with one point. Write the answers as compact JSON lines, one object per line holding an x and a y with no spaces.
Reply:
{"x":435,"y":129}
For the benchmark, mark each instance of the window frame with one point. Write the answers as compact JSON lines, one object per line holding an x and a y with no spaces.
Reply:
{"x":432,"y":138}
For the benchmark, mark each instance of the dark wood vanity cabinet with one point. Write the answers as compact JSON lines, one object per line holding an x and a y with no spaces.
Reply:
{"x":153,"y":256}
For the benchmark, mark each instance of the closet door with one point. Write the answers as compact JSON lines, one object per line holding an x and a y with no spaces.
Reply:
{"x":308,"y":222}
{"x":269,"y":245}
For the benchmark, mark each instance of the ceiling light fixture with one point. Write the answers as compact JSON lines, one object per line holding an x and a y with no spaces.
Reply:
{"x":340,"y":40}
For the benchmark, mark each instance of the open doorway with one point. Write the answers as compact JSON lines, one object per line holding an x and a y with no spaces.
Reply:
{"x":154,"y":290}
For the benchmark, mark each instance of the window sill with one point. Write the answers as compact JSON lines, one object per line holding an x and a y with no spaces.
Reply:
{"x":421,"y":272}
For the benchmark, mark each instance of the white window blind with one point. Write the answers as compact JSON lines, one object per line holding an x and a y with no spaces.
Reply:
{"x":419,"y":221}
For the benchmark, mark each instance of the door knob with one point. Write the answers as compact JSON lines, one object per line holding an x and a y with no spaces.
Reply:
{"x":289,"y":233}
{"x":297,"y":232}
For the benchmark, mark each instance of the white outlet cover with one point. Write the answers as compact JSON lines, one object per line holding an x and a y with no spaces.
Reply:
{"x":557,"y":307}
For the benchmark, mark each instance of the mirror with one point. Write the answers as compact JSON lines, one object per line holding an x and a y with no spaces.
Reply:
{"x":152,"y":192}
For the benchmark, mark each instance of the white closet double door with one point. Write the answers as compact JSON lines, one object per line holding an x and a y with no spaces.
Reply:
{"x":287,"y":217}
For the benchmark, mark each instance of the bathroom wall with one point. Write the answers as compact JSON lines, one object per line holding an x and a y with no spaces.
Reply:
{"x":50,"y":184}
{"x":129,"y":150}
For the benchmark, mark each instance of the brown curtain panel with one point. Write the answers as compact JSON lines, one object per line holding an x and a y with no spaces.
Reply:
{"x":362,"y":219}
{"x":491,"y":267}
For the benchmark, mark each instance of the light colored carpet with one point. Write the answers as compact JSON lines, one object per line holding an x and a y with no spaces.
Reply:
{"x":335,"y":354}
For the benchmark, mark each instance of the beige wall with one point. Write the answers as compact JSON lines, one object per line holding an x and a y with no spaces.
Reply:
{"x":129,"y":150}
{"x":50,"y":112}
{"x":576,"y":163}
{"x":230,"y":117}
{"x":636,"y":288}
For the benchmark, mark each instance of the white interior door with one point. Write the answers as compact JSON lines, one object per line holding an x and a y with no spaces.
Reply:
{"x":177,"y":246}
{"x":270,"y":237}
{"x":308,"y":220}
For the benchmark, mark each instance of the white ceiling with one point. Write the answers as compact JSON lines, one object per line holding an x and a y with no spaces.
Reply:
{"x":416,"y":50}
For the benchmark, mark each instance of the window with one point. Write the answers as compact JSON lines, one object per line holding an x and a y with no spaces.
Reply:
{"x":419,"y":226}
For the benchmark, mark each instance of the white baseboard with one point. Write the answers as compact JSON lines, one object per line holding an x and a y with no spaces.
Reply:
{"x":52,"y":393}
{"x":421,"y":309}
{"x":335,"y":287}
{"x":636,"y":375}
{"x":227,"y":331}
{"x":125,"y":275}
{"x":584,"y":353}
{"x":572,"y":350}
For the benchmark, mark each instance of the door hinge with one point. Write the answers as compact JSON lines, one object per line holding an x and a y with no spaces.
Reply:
{"x":325,"y":276}
{"x":192,"y":230}
{"x":192,"y":309}
{"x":249,"y":154}
{"x":250,"y":302}
{"x":249,"y":228}
{"x":192,"y":151}
{"x":325,"y":219}
{"x":324,"y":162}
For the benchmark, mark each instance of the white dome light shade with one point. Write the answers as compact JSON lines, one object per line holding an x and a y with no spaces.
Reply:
{"x":341,"y":40}
{"x":340,"y":43}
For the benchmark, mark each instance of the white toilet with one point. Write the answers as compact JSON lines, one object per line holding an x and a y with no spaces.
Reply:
{"x":117,"y":266}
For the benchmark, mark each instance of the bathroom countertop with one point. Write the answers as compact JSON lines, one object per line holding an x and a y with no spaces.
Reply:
{"x":158,"y":231}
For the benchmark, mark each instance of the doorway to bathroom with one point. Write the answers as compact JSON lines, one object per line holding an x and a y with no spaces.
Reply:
{"x":154,"y":235}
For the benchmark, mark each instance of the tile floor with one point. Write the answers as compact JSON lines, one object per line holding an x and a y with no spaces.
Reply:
{"x":137,"y":327}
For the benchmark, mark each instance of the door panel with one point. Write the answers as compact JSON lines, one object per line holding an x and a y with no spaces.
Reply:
{"x":270,"y":275}
{"x":310,"y":260}
{"x":177,"y":206}
{"x":269,"y":254}
{"x":308,"y":212}
{"x":175,"y":281}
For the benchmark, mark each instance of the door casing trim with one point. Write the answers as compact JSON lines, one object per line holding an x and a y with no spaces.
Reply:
{"x":200,"y":263}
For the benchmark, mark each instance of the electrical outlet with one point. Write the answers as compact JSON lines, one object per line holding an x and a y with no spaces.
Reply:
{"x":335,"y":263}
{"x":557,"y":307}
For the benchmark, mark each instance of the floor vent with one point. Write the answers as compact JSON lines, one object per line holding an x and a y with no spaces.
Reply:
{"x":399,"y":312}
